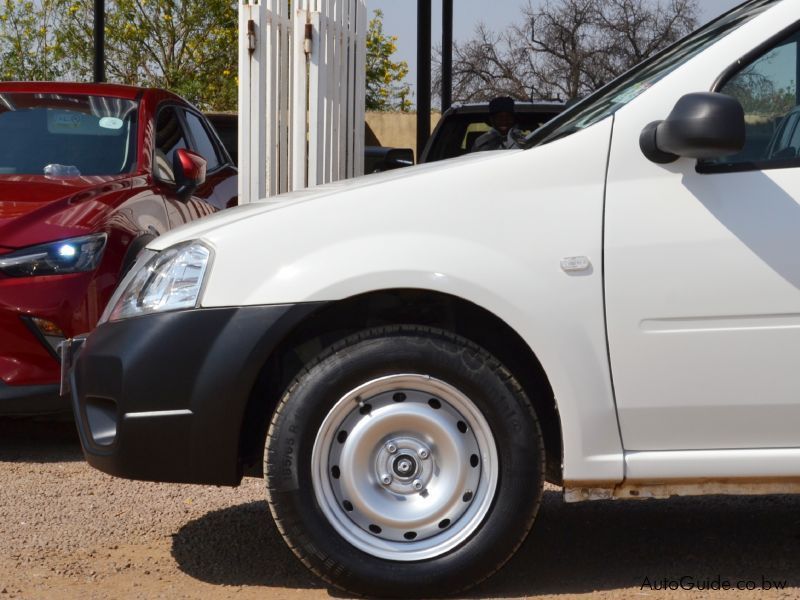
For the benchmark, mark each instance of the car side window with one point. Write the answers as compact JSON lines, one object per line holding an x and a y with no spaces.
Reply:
{"x":169,"y":139}
{"x":204,"y":146}
{"x":767,"y":87}
{"x":474,"y":131}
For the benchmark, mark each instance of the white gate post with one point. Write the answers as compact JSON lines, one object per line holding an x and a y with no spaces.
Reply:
{"x":301,"y":100}
{"x":252,"y":97}
{"x":301,"y":24}
{"x":360,"y":86}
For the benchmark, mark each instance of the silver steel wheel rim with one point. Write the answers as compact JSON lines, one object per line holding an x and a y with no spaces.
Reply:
{"x":405,"y":467}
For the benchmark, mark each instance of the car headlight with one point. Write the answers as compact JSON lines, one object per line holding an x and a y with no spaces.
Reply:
{"x":168,"y":280}
{"x":75,"y":255}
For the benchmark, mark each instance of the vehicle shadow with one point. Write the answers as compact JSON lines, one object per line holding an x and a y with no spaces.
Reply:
{"x":574,"y":548}
{"x":578,"y":548}
{"x":39,"y":440}
{"x":239,"y":546}
{"x":758,"y":212}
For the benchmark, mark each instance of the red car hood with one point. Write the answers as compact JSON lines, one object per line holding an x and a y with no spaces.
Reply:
{"x":36,"y":209}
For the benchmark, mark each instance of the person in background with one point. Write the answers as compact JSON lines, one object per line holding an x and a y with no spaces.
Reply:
{"x":504,"y":132}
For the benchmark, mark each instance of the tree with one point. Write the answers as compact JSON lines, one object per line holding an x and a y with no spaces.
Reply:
{"x":566,"y":48}
{"x":187,"y":47}
{"x":385,"y":87}
{"x":31,"y":41}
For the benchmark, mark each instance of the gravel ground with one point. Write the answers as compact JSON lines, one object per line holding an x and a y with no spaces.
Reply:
{"x":67,"y":531}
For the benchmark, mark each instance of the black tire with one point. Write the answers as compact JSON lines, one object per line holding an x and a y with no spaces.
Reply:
{"x":388,"y":351}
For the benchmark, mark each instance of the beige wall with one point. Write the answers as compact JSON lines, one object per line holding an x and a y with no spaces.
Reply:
{"x":395,"y":129}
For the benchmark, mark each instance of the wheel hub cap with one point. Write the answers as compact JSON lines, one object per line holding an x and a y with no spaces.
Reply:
{"x":405,"y":467}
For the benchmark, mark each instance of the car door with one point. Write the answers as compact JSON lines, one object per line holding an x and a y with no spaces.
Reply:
{"x":221,"y":186}
{"x":170,"y":137}
{"x":702,"y":265}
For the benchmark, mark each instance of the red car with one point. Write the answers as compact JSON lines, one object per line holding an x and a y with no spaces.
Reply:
{"x":89,"y":174}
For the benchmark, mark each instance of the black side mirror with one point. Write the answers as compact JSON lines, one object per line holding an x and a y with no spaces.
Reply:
{"x":397,"y":158}
{"x":190,"y":172}
{"x":378,"y":159}
{"x":702,"y":125}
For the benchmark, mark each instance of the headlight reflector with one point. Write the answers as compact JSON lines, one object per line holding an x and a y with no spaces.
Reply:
{"x":170,"y":280}
{"x":75,"y":255}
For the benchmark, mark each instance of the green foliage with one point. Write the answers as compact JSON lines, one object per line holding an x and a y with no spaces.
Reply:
{"x":187,"y":47}
{"x":31,"y":42}
{"x":386,"y":89}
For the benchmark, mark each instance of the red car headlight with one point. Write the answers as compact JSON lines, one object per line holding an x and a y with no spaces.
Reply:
{"x":75,"y":255}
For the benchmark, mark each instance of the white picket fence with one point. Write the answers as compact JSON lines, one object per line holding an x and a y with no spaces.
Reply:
{"x":302,"y":80}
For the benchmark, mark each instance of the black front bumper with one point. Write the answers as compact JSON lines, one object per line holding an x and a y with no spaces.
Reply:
{"x":162,"y":397}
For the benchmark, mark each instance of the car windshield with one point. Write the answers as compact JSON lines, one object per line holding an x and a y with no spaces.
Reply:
{"x":610,"y":98}
{"x":64,"y":135}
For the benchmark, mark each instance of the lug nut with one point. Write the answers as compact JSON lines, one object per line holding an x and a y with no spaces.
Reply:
{"x":423,"y":454}
{"x":417,"y":484}
{"x":386,"y":479}
{"x":391,"y":448}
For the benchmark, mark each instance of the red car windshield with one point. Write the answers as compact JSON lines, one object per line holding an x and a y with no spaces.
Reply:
{"x":61,"y":135}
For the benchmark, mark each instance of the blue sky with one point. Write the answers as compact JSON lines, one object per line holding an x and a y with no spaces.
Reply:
{"x":400,"y":19}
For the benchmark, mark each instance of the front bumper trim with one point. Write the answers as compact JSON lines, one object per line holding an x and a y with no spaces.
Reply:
{"x":155,"y":414}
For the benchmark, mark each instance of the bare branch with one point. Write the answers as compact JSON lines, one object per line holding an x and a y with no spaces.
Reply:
{"x":565,"y":48}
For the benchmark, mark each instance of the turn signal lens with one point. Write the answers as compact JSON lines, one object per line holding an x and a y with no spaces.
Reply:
{"x":49,"y":331}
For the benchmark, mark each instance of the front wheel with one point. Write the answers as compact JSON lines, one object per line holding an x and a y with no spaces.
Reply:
{"x":404,"y":461}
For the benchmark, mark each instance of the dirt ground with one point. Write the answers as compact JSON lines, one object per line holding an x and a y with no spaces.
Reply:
{"x":68,"y":531}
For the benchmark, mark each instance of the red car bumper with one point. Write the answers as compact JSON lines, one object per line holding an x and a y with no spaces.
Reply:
{"x":29,"y":366}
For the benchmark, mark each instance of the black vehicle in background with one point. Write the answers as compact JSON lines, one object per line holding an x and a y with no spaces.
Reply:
{"x":462,"y":124}
{"x":455,"y":134}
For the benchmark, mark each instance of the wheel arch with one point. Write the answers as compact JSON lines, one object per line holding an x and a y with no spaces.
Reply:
{"x":337,"y":320}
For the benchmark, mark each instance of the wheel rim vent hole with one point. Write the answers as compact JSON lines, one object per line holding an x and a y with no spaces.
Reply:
{"x":467,"y":496}
{"x":365,"y":409}
{"x":410,"y":535}
{"x":348,"y":506}
{"x":474,"y":461}
{"x":335,"y":472}
{"x":434,"y":404}
{"x":399,"y":397}
{"x":375,"y":529}
{"x":341,"y":437}
{"x":462,"y":427}
{"x":444,"y":523}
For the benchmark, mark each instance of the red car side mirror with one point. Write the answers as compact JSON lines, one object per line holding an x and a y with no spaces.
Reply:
{"x":190,"y":172}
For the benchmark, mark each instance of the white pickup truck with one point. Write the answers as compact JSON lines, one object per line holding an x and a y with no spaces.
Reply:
{"x":407,"y":357}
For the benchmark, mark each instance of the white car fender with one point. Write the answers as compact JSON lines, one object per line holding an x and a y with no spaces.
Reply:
{"x":493,"y":230}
